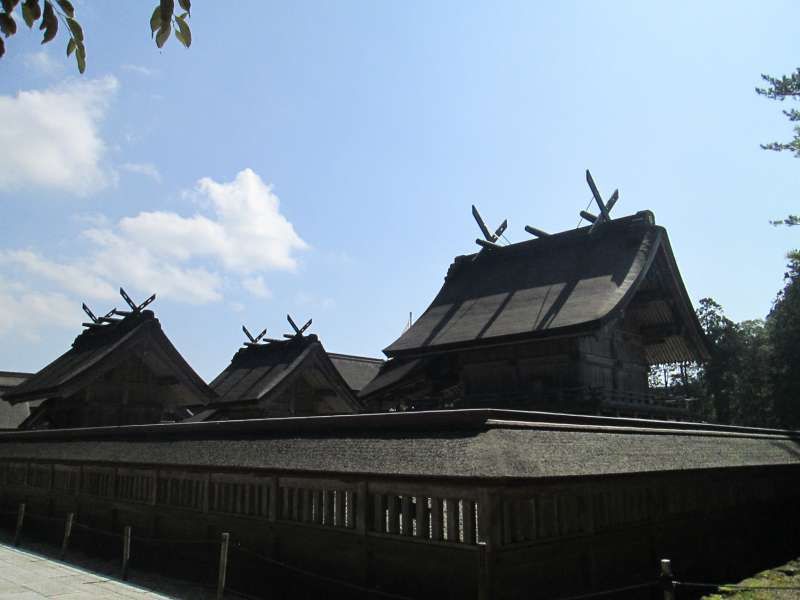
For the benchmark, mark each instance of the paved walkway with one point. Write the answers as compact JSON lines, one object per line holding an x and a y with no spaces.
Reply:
{"x":28,"y":576}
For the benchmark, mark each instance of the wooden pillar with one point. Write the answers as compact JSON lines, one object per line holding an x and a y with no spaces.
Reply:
{"x":67,"y":534}
{"x":223,"y":565}
{"x":20,"y":521}
{"x":126,"y":551}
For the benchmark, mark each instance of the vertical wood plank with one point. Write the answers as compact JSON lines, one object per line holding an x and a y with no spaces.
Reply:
{"x":349,"y":512}
{"x":272,"y":499}
{"x":520,"y":518}
{"x":468,"y":522}
{"x":506,"y":520}
{"x":307,"y":498}
{"x":340,"y":508}
{"x":316,"y":507}
{"x":405,"y":512}
{"x":422,"y":529}
{"x":451,"y":519}
{"x":294,"y":494}
{"x":391,"y":500}
{"x":436,"y":519}
{"x":378,"y":514}
{"x":327,"y":508}
{"x":361,"y":507}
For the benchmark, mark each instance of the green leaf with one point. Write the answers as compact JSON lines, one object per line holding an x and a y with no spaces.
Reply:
{"x":167,"y":8}
{"x":49,"y":23}
{"x":9,"y":5}
{"x":75,"y":29}
{"x":31,"y":12}
{"x":163,"y":34}
{"x":7,"y":24}
{"x":2,"y":47}
{"x":155,"y":20}
{"x":184,"y":34}
{"x":71,"y":46}
{"x":186,"y":5}
{"x":67,"y":7}
{"x":80,"y":56}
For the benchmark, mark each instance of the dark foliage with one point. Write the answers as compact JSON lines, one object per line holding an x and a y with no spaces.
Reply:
{"x":753,"y":376}
{"x":51,"y":12}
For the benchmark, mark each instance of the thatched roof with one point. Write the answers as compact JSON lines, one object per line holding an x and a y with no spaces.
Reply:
{"x":260,"y":370}
{"x":569,"y":283}
{"x":99,"y":349}
{"x":493,"y":444}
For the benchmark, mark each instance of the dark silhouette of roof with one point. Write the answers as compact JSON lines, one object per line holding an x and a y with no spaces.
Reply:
{"x":99,"y":349}
{"x":565,"y":283}
{"x":12,"y":416}
{"x":459,"y":444}
{"x":357,"y":371}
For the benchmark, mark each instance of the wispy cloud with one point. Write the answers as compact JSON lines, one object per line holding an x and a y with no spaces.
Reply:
{"x":140,"y":70}
{"x":146,"y":169}
{"x":314,"y":302}
{"x":51,"y":138}
{"x":42,"y":63}
{"x":26,"y":313}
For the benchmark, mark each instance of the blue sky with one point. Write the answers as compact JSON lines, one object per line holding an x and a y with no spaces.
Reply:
{"x":321,"y":158}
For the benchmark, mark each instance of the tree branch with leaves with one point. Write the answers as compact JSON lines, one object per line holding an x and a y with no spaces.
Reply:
{"x":781,"y":88}
{"x":50,"y":12}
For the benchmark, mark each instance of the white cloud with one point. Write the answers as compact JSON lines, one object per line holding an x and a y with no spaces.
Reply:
{"x":246,"y":234}
{"x":139,"y":70}
{"x":256,"y":286}
{"x":51,"y":138}
{"x":27,"y":313}
{"x":42,"y":63}
{"x":182,"y":258}
{"x":146,"y":169}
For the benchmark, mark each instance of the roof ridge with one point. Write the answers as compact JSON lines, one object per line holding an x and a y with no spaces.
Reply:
{"x":356,"y":357}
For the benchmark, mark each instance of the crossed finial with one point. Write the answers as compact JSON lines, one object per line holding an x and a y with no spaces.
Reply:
{"x":253,"y":340}
{"x":605,"y":208}
{"x":489,"y":238}
{"x":298,"y":331}
{"x":108,"y":318}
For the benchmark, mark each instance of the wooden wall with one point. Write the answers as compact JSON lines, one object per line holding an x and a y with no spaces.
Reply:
{"x":429,"y":538}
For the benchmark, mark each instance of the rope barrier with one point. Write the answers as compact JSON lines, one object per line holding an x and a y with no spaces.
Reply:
{"x":627,"y":588}
{"x":150,"y":540}
{"x":374,"y":591}
{"x":95,"y":530}
{"x":299,"y":571}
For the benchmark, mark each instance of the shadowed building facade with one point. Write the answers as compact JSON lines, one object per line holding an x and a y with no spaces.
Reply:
{"x":12,"y":415}
{"x":122,"y":372}
{"x":569,"y":322}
